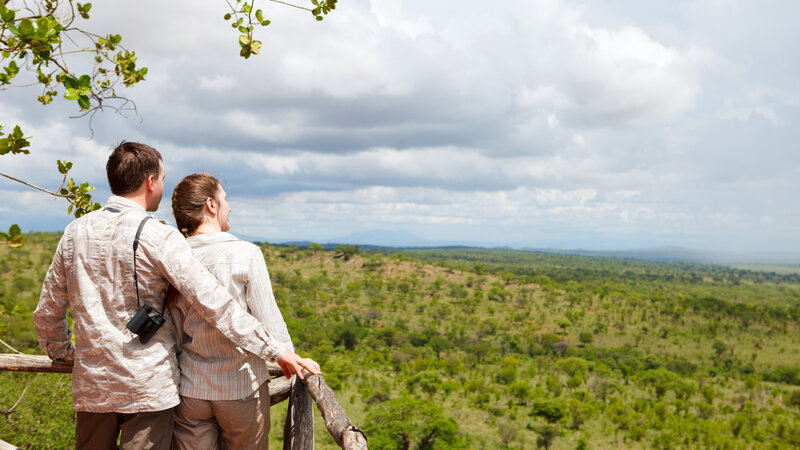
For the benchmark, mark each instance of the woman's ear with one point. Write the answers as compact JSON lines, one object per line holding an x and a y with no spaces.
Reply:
{"x":211,"y":206}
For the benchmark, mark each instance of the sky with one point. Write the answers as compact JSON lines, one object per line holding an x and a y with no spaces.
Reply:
{"x":546,"y":124}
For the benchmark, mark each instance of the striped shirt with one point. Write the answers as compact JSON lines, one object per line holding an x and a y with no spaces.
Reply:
{"x":213,"y":367}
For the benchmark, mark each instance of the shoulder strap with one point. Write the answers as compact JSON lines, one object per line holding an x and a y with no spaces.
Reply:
{"x":136,"y":239}
{"x":135,"y":277}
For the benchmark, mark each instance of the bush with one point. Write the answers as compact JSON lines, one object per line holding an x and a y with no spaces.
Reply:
{"x":407,"y":422}
{"x":552,"y":410}
{"x":793,"y":399}
{"x":573,"y":366}
{"x":785,"y":374}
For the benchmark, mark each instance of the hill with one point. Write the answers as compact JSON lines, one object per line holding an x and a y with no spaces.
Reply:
{"x":504,"y":349}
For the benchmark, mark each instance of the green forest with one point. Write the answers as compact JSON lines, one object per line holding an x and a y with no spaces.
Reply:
{"x":473,"y":348}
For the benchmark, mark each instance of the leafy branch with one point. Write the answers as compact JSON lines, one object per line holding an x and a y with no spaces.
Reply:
{"x":245,"y":18}
{"x":40,"y":39}
{"x":41,"y":42}
{"x":77,"y":194}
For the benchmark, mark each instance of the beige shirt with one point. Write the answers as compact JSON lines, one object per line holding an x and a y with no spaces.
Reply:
{"x":213,"y":367}
{"x":92,"y":274}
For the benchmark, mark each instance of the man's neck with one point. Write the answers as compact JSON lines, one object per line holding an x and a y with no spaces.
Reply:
{"x":138,"y":198}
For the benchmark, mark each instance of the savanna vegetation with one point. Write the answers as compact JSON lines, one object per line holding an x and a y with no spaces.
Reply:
{"x":466,"y":348}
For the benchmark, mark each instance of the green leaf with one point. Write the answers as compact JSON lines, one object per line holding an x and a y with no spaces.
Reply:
{"x":228,"y":16}
{"x":84,"y":102}
{"x":70,"y":83}
{"x":85,"y":81}
{"x":71,"y":94}
{"x":259,"y":15}
{"x":255,"y":46}
{"x":26,"y":28}
{"x":13,"y":237}
{"x":44,"y":26}
{"x":14,"y":231}
{"x":7,"y":14}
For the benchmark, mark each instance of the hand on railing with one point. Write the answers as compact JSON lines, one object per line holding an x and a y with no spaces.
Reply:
{"x":292,"y":363}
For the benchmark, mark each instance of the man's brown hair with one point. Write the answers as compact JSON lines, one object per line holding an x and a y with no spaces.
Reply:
{"x":189,"y":200}
{"x":129,"y":166}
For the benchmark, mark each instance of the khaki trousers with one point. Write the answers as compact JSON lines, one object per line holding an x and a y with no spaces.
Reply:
{"x":147,"y":430}
{"x":223,"y":424}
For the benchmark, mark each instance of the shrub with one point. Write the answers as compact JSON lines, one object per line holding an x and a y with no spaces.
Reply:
{"x":793,"y":399}
{"x":552,"y":410}
{"x":407,"y":422}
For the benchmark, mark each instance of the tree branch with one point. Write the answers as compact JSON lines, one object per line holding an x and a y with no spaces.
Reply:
{"x":293,"y":6}
{"x":54,"y":194}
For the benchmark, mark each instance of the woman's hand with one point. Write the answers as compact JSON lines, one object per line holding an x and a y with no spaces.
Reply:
{"x":292,"y":363}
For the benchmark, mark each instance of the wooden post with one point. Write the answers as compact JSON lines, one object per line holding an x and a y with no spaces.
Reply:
{"x":346,"y":435}
{"x":298,"y":432}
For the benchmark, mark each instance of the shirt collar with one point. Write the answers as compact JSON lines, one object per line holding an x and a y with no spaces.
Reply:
{"x":122,"y":203}
{"x":200,"y":240}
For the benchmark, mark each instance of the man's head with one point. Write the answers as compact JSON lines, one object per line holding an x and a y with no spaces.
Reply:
{"x":135,"y":168}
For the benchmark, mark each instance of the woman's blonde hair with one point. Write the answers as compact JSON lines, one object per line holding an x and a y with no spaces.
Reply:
{"x":189,"y":200}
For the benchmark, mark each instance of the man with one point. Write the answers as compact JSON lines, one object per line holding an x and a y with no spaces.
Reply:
{"x":121,"y":387}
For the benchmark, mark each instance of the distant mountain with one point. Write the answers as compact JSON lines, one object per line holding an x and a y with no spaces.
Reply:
{"x":403,"y":239}
{"x":667,"y":253}
{"x":384,"y":238}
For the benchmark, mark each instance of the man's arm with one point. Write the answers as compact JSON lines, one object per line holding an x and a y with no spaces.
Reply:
{"x":261,"y":300}
{"x":50,"y":317}
{"x":212,"y":301}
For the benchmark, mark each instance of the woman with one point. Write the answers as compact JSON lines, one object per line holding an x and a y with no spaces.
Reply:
{"x":224,"y":389}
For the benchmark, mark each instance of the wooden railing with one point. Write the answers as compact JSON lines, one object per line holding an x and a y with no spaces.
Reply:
{"x":299,"y":428}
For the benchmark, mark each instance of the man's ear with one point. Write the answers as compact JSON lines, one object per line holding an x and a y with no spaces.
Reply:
{"x":151,"y":183}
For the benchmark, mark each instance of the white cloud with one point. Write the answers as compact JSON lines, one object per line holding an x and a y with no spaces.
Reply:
{"x":755,"y":101}
{"x":217,"y":83}
{"x":502,"y":120}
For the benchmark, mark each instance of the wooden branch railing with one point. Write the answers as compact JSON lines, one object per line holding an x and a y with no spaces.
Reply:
{"x":299,"y":428}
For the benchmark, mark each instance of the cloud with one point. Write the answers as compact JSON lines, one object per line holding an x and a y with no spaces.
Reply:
{"x":555,"y":119}
{"x":756,"y":101}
